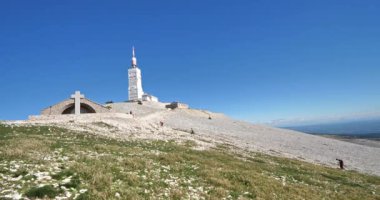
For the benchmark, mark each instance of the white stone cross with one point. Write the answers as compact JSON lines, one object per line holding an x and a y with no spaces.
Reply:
{"x":77,"y":96}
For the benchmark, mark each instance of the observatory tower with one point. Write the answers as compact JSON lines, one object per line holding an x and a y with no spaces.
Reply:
{"x":135,"y":90}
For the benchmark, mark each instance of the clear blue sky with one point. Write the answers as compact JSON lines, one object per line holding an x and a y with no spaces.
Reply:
{"x":255,"y":60}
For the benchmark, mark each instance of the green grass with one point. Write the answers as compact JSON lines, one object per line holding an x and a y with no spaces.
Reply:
{"x":62,"y":174}
{"x":141,"y":169}
{"x":41,"y":192}
{"x":20,"y":172}
{"x":74,"y":183}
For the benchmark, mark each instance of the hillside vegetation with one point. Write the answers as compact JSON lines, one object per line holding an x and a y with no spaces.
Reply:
{"x":55,"y":163}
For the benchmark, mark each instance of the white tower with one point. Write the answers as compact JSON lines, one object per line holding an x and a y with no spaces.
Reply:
{"x":135,"y":91}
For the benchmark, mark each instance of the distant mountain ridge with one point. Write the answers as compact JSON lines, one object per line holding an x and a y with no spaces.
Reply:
{"x":361,"y":128}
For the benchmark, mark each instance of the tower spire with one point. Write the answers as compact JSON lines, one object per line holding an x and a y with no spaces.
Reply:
{"x":134,"y":60}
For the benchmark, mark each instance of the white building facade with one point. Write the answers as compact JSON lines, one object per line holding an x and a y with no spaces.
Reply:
{"x":135,"y":90}
{"x":148,"y":97}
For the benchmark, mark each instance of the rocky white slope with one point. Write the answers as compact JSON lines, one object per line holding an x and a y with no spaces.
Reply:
{"x":178,"y":123}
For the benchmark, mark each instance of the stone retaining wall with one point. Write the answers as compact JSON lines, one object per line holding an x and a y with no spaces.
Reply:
{"x":90,"y":117}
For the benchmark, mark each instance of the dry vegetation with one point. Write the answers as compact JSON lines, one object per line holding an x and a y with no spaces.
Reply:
{"x":54,"y":163}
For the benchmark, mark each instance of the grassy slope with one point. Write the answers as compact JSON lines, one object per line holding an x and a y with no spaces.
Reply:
{"x":88,"y":167}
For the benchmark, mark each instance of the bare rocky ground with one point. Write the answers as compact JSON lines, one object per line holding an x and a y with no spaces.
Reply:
{"x":195,"y":155}
{"x":220,"y":129}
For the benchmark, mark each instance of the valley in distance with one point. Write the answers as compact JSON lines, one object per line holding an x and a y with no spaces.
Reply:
{"x":364,"y":131}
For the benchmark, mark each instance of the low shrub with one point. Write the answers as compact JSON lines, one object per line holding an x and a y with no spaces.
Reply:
{"x":41,"y":192}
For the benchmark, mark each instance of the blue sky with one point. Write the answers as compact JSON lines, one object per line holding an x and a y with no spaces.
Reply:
{"x":256,"y":60}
